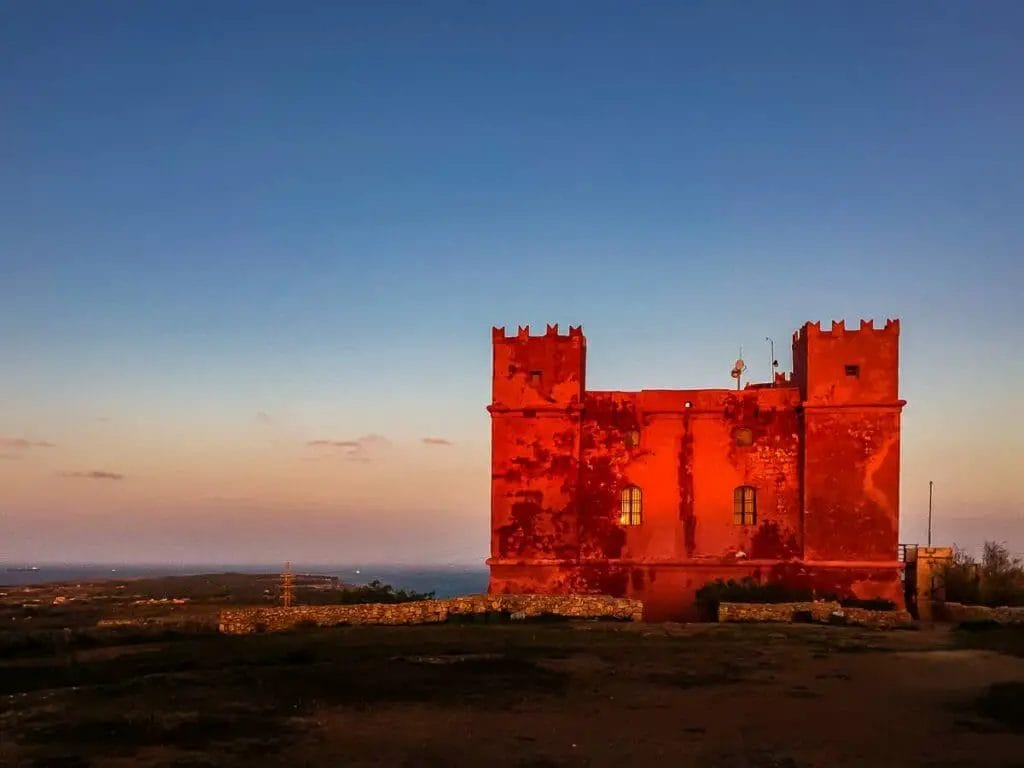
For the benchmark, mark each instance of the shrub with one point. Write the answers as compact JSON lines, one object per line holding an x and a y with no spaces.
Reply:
{"x":374,"y":592}
{"x":1002,"y":576}
{"x":997,"y":580}
{"x":960,"y":579}
{"x":746,"y":590}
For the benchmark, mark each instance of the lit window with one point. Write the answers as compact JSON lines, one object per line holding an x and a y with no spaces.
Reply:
{"x":744,"y":505}
{"x":535,"y":378}
{"x":853,"y":370}
{"x":743,"y":436}
{"x":631,"y":511}
{"x":632,"y":438}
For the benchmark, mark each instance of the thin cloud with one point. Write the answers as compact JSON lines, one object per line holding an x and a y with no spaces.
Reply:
{"x":96,"y":474}
{"x":437,"y":441}
{"x":21,"y":444}
{"x":361,"y":449}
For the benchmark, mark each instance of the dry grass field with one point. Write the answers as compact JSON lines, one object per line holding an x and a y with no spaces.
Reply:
{"x":589,"y":694}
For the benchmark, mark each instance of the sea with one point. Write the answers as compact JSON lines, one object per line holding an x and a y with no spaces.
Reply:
{"x":442,"y":580}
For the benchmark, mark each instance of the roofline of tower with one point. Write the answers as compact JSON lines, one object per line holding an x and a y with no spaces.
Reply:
{"x":808,"y":329}
{"x":523,"y":333}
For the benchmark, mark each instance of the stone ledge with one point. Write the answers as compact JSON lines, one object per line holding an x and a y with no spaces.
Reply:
{"x":278,"y":618}
{"x":819,"y":612}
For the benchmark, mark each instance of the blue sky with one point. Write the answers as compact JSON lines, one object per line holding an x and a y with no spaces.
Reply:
{"x":316,"y":211}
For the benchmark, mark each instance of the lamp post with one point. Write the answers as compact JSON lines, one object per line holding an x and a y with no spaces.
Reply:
{"x":775,"y":363}
{"x":930,"y":484}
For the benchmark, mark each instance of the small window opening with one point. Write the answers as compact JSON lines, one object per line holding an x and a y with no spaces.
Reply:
{"x":631,"y":510}
{"x":743,"y":436}
{"x":632,"y":438}
{"x":535,"y":378}
{"x":744,"y":505}
{"x":853,"y":370}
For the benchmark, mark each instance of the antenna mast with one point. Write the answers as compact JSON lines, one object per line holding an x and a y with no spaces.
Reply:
{"x":738,"y":369}
{"x":287,"y":586}
{"x":775,"y":363}
{"x":930,"y":484}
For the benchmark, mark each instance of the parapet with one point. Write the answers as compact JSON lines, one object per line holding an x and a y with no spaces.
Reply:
{"x":523,"y":334}
{"x":839,"y":329}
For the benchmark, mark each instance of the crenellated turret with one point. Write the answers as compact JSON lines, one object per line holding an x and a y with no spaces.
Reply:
{"x":847,"y":366}
{"x":538,"y":372}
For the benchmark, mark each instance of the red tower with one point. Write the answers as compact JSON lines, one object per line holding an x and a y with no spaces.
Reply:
{"x":849,"y":384}
{"x":538,"y":388}
{"x":654,"y":493}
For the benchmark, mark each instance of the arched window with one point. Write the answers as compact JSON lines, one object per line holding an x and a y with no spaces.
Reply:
{"x":631,"y":510}
{"x":744,"y":505}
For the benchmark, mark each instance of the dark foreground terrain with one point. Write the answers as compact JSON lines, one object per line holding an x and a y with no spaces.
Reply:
{"x":520,"y":695}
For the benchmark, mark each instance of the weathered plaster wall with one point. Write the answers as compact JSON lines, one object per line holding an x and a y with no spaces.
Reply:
{"x":687,"y":461}
{"x":852,"y":485}
{"x":769,"y":464}
{"x":534,"y":477}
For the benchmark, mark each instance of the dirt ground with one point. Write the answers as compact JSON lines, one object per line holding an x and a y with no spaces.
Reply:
{"x":525,"y":695}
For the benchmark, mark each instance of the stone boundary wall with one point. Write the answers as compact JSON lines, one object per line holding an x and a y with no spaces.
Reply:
{"x":821,"y":612}
{"x":958,"y":612}
{"x":237,"y":621}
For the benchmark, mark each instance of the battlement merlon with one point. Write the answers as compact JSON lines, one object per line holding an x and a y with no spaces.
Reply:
{"x":523,"y":333}
{"x":809,"y":329}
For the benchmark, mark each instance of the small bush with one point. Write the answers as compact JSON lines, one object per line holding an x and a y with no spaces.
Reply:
{"x":374,"y":592}
{"x":747,"y":590}
{"x":997,"y":580}
{"x":960,"y":579}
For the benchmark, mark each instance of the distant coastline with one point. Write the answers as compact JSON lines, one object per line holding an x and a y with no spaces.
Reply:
{"x":443,"y":580}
